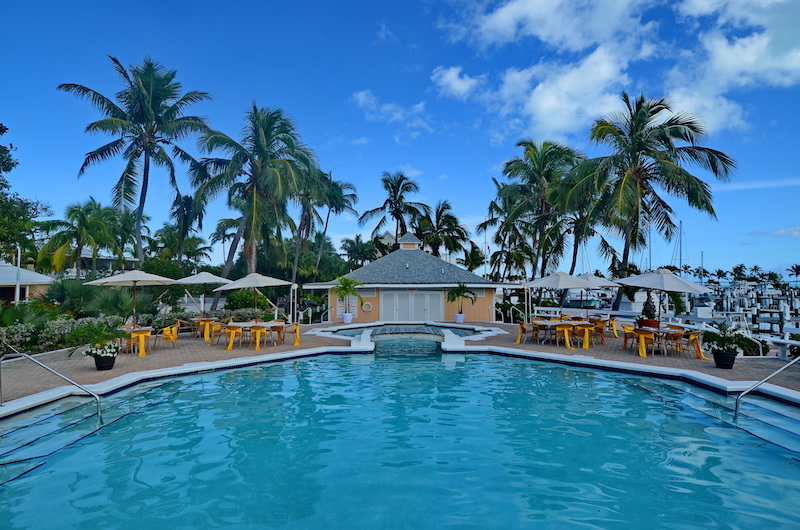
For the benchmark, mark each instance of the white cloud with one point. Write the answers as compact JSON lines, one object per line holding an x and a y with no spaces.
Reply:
{"x":360,"y":141}
{"x":411,"y":117}
{"x":792,"y":233}
{"x":571,"y":25}
{"x":409,"y":171}
{"x":757,"y":185}
{"x":451,"y":82}
{"x":558,"y":100}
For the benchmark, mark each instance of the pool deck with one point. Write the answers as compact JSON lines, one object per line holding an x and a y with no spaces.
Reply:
{"x":22,"y":378}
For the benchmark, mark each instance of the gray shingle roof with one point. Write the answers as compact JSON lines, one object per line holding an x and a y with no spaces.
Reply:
{"x":414,"y":267}
{"x":408,"y":237}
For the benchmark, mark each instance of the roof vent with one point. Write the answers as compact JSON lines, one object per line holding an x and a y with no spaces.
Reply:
{"x":442,"y":270}
{"x":407,"y":266}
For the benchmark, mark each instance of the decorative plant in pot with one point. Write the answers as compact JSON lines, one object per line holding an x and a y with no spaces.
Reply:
{"x":346,"y":288}
{"x":648,"y":318}
{"x":103,"y":343}
{"x":725,"y":344}
{"x":458,"y":294}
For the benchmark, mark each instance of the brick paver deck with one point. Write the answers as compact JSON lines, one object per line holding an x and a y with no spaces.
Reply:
{"x":22,"y":378}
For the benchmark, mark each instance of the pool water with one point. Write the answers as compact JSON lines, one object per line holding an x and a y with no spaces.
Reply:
{"x":410,"y":439}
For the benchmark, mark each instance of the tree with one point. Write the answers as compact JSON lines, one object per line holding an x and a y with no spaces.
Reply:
{"x":473,"y":257}
{"x":739,"y":272}
{"x":259,"y":177}
{"x":147,"y":118}
{"x":396,"y":206}
{"x":186,"y":212}
{"x":441,"y":229}
{"x":7,"y":163}
{"x":794,"y":270}
{"x":84,"y":225}
{"x":358,"y":251}
{"x":460,"y":293}
{"x":534,"y":176}
{"x":339,"y":197}
{"x":644,"y":157}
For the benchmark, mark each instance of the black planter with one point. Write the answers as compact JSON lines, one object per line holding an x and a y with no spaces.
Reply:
{"x":724,"y":359}
{"x":104,"y":363}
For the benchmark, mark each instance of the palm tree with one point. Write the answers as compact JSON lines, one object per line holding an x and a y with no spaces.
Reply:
{"x":358,"y":251}
{"x":186,"y":212}
{"x":84,"y":225}
{"x":534,"y":175}
{"x":756,"y":273}
{"x":645,"y":156}
{"x":473,"y":257}
{"x":225,"y":231}
{"x":260,"y":175}
{"x":147,"y":118}
{"x":721,"y":274}
{"x":396,"y":206}
{"x":340,"y":197}
{"x":441,"y":229}
{"x":310,"y":194}
{"x":794,"y":270}
{"x":739,"y":272}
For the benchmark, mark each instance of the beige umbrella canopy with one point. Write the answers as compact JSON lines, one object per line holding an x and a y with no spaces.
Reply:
{"x":559,"y":280}
{"x":253,"y":281}
{"x":203,"y":278}
{"x":132,"y":279}
{"x":664,"y":280}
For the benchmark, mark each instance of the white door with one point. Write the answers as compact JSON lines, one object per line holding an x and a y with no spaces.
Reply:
{"x":419,"y":306}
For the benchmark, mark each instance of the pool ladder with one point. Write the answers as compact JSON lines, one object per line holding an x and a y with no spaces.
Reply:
{"x":756,"y":385}
{"x":59,"y":374}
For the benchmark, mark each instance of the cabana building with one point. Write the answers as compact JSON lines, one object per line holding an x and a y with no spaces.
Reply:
{"x":410,"y":285}
{"x":30,"y":283}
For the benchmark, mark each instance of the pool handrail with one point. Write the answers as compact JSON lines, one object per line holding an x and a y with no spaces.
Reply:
{"x":756,"y":385}
{"x":59,"y":374}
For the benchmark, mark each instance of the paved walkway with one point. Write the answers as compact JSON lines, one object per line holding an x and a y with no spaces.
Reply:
{"x":23,"y":378}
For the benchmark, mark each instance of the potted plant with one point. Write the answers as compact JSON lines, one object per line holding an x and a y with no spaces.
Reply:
{"x":458,"y":294}
{"x":103,"y":343}
{"x":346,"y":288}
{"x":648,"y":318}
{"x":725,"y":344}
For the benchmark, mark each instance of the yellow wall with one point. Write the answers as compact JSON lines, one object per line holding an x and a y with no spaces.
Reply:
{"x":481,"y":311}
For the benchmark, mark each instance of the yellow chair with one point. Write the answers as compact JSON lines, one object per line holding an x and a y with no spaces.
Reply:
{"x":565,"y":330}
{"x":230,"y":335}
{"x":259,"y":332}
{"x":600,"y":329}
{"x":140,"y":338}
{"x":644,"y":339}
{"x":168,"y":334}
{"x":627,"y":333}
{"x":692,"y":340}
{"x":214,"y":332}
{"x":586,"y":331}
{"x":613,"y":325}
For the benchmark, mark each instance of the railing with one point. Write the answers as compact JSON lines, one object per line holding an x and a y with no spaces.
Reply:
{"x":305,"y":312}
{"x":511,"y":313}
{"x":323,"y":315}
{"x":59,"y":374}
{"x":770,"y":376}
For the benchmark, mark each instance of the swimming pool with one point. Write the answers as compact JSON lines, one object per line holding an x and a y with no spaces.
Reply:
{"x":408,"y":438}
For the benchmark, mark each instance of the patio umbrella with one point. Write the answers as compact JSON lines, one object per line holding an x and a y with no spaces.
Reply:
{"x":132,"y":279}
{"x":204,"y":278}
{"x":664,"y":280}
{"x":595,"y":282}
{"x":253,"y":281}
{"x":559,"y":280}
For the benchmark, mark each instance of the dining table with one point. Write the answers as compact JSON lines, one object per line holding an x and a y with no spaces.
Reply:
{"x":250,"y":324}
{"x":551,"y":324}
{"x":205,"y":325}
{"x":142,"y":333}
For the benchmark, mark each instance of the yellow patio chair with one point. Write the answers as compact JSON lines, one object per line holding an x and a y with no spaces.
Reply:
{"x":584,"y":331}
{"x":627,"y":333}
{"x":169,"y":335}
{"x":566,"y":331}
{"x":645,"y":338}
{"x":230,"y":335}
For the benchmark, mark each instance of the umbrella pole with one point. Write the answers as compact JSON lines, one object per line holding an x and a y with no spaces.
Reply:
{"x":134,"y":304}
{"x":203,"y":311}
{"x":255,"y":306}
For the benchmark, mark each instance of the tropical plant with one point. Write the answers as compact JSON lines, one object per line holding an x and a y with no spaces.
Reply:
{"x":726,"y":339}
{"x":85,"y":225}
{"x":358,"y":251}
{"x":346,"y":288}
{"x":147,"y":117}
{"x":441,"y":228}
{"x":339,"y":197}
{"x":473,"y":257}
{"x":259,"y":177}
{"x":645,"y":156}
{"x":98,"y":337}
{"x":396,"y":207}
{"x":459,"y":293}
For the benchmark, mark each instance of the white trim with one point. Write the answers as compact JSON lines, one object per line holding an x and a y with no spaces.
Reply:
{"x":415,"y":285}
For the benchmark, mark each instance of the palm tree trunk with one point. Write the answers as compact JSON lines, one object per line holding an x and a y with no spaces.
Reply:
{"x":624,"y":267}
{"x":226,"y":269}
{"x":78,"y":263}
{"x":140,"y":210}
{"x":322,"y":244}
{"x":576,"y":243}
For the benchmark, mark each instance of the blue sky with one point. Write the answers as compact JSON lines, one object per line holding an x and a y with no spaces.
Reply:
{"x":441,"y":90}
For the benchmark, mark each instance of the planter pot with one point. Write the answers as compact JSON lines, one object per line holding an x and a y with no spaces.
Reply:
{"x":104,"y":363}
{"x":459,"y":318}
{"x":649,"y":323}
{"x":347,"y":318}
{"x":724,"y":359}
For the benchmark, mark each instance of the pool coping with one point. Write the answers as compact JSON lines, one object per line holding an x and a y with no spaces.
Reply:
{"x":362,"y":344}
